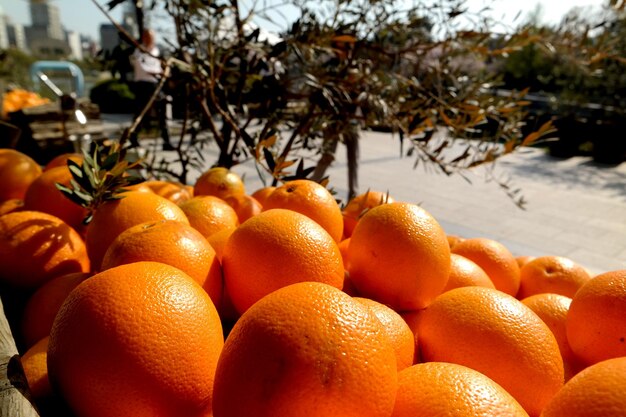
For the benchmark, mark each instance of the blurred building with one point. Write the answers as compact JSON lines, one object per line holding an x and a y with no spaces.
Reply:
{"x":76,"y":47}
{"x":4,"y":36}
{"x":109,"y":38}
{"x":45,"y":35}
{"x":17,"y":35}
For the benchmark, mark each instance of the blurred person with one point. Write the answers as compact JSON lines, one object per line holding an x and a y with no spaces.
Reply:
{"x":147,"y":72}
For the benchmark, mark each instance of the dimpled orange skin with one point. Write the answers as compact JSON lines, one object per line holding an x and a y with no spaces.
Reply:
{"x":356,"y":207}
{"x":113,"y":217}
{"x":17,"y":172}
{"x":465,"y":273}
{"x":399,"y":332}
{"x":311,"y":199}
{"x":596,"y":321}
{"x":306,"y":350}
{"x":173,"y":243}
{"x":445,"y":389}
{"x":495,"y":334}
{"x":35,"y":247}
{"x":139,"y":340}
{"x":399,"y":256}
{"x":551,"y":274}
{"x":597,"y":391}
{"x":219,"y":182}
{"x":552,"y":309}
{"x":495,"y":259}
{"x":276,"y":248}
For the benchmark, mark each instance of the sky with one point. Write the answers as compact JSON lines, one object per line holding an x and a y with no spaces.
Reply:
{"x":83,"y":16}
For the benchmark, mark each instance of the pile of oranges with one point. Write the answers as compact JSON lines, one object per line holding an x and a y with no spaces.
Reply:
{"x":205,"y":300}
{"x":18,"y":99}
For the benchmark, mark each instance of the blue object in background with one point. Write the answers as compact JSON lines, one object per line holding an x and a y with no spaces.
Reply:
{"x":48,"y":67}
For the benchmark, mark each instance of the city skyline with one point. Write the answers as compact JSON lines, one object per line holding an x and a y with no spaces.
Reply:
{"x":84,"y":17}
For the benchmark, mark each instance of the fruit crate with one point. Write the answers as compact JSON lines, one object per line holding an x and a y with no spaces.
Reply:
{"x":14,"y":394}
{"x":54,"y":128}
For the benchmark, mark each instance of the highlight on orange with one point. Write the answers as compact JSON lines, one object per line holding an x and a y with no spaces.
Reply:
{"x":359,"y":205}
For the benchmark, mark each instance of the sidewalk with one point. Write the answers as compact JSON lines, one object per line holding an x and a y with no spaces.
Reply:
{"x":575,"y":207}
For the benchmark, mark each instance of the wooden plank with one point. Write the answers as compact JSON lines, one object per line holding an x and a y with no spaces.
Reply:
{"x":14,"y":394}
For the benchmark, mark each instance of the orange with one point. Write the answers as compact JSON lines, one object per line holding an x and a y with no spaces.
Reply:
{"x":115,"y":216}
{"x":219,"y":182}
{"x":399,"y":256}
{"x":208,"y":214}
{"x":495,"y":334}
{"x":173,"y":243}
{"x":495,"y":259}
{"x":311,"y":199}
{"x":307,"y":349}
{"x":262,"y":193}
{"x":9,"y":206}
{"x":465,"y":273}
{"x":274,"y":249}
{"x":552,"y":309}
{"x":551,"y":274}
{"x":397,"y":329}
{"x":218,"y":241}
{"x":35,"y":247}
{"x":34,"y":362}
{"x":343,"y":248}
{"x":596,"y":321}
{"x":446,"y":389}
{"x":173,"y":191}
{"x":43,"y":306}
{"x":597,"y":391}
{"x":17,"y":172}
{"x":244,"y":205}
{"x":523,"y":260}
{"x":61,"y":160}
{"x":453,"y":240}
{"x":43,"y":195}
{"x":411,"y":318}
{"x":359,"y":205}
{"x":139,"y":340}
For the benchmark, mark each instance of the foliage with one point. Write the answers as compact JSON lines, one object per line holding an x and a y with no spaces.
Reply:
{"x":113,"y":96}
{"x":14,"y":68}
{"x":100,"y":177}
{"x":415,"y":69}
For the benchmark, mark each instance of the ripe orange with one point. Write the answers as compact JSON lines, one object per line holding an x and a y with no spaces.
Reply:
{"x":9,"y":206}
{"x":453,"y":240}
{"x":209,"y":214}
{"x":218,"y":241}
{"x":307,"y":349}
{"x":274,"y":249}
{"x":61,"y":160}
{"x":495,"y":334}
{"x":43,"y":195}
{"x":343,"y":248}
{"x":411,"y":318}
{"x":552,"y":309}
{"x":596,"y":321}
{"x":43,"y":306}
{"x":141,"y":339}
{"x":262,"y":193}
{"x":115,"y":216}
{"x":35,"y":247}
{"x":397,"y":329}
{"x":551,"y":274}
{"x":17,"y":171}
{"x":34,"y":362}
{"x":446,"y":389}
{"x":359,"y":205}
{"x":219,"y":182}
{"x":523,"y":260}
{"x":172,"y":243}
{"x":597,"y":391}
{"x":465,"y":273}
{"x":244,"y":205}
{"x":173,"y":191}
{"x":311,"y":199}
{"x":495,"y":259}
{"x":399,"y":256}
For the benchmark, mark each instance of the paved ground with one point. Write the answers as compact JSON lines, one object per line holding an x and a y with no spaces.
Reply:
{"x":575,"y":207}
